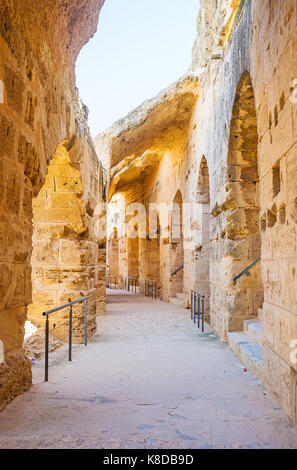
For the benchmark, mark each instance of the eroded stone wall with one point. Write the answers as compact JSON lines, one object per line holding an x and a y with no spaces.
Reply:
{"x":243,"y":127}
{"x":263,"y":47}
{"x":65,"y":248}
{"x":38,"y":49}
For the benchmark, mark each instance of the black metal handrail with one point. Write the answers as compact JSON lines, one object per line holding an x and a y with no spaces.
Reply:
{"x":198,"y":300}
{"x":150,"y":289}
{"x":246,"y":271}
{"x":57,"y":309}
{"x":177,"y":270}
{"x":131,"y":283}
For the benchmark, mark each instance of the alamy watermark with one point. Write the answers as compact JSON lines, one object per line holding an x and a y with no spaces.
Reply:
{"x":151,"y":221}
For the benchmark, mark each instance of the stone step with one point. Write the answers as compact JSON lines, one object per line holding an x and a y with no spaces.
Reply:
{"x":253,"y":329}
{"x":248,"y":351}
{"x":180,"y":295}
{"x":177,"y":301}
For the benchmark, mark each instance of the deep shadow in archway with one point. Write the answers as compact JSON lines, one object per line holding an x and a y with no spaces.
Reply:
{"x":177,"y":247}
{"x":203,"y":245}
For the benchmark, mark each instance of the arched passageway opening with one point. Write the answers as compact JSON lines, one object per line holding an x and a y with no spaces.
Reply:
{"x":177,"y":247}
{"x":64,"y":256}
{"x":242,"y":233}
{"x":203,"y":245}
{"x":154,"y":257}
{"x":133,"y":257}
{"x":113,"y":256}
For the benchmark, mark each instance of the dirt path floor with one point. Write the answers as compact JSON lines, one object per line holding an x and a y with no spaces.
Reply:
{"x":148,"y":379}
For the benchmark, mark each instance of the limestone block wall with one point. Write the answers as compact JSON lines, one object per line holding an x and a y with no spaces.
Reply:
{"x":65,"y":250}
{"x":242,"y":133}
{"x":269,"y":208}
{"x":38,"y":48}
{"x":278,"y":191}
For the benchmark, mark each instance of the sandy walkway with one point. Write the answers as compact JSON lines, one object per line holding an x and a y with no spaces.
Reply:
{"x":148,"y":379}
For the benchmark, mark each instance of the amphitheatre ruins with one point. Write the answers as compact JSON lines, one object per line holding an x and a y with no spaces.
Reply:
{"x":191,"y":197}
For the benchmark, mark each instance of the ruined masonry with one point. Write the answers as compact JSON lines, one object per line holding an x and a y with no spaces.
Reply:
{"x":223,"y":137}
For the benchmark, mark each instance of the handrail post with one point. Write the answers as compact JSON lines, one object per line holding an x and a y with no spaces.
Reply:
{"x":194,"y":310}
{"x":70,"y":334}
{"x":155,"y":290}
{"x":46,"y":347}
{"x":191,"y":304}
{"x":145,"y":282}
{"x":203,"y":312}
{"x":199,"y":300}
{"x":86,"y":323}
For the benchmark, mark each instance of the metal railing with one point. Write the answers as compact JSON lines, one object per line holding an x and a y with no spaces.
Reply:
{"x":198,"y":308}
{"x":47,"y":329}
{"x":177,"y":270}
{"x":246,"y":271}
{"x":150,"y":289}
{"x":131,"y":284}
{"x":111,"y":282}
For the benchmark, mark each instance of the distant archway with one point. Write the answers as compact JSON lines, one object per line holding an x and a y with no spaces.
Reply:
{"x":64,"y":257}
{"x":113,"y":255}
{"x":242,"y":232}
{"x":133,"y":257}
{"x":177,"y":247}
{"x":203,"y":244}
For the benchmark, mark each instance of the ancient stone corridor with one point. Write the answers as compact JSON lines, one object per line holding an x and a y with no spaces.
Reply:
{"x":148,"y":379}
{"x":189,"y":201}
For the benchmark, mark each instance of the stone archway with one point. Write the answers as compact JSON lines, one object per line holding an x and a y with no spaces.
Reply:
{"x":113,"y":255}
{"x":64,"y":256}
{"x":153,"y":260}
{"x":203,"y":243}
{"x":133,"y":257}
{"x":177,"y":247}
{"x":40,"y":106}
{"x":242,"y":232}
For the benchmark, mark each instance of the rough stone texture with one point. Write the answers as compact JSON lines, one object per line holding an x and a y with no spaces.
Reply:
{"x":158,"y":123}
{"x":38,"y":48}
{"x":242,"y":133}
{"x":65,"y":250}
